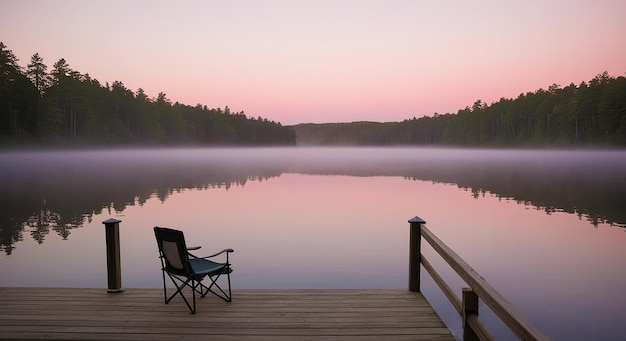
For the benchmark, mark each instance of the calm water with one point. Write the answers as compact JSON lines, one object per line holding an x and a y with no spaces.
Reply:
{"x":545,"y":228}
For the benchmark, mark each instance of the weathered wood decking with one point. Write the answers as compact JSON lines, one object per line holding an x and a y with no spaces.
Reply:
{"x":140,"y":314}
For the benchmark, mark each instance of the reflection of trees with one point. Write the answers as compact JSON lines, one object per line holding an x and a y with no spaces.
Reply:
{"x":60,"y":191}
{"x":595,"y":193}
{"x":39,"y":223}
{"x":589,"y":184}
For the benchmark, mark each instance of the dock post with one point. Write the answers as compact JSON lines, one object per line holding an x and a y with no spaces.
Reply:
{"x":415,"y":252}
{"x":114,"y":273}
{"x":470,"y":308}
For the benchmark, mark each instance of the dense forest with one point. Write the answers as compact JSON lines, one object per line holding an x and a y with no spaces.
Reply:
{"x":67,"y":108}
{"x":592,"y":114}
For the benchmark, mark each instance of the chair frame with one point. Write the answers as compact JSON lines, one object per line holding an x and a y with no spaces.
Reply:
{"x":184,"y":275}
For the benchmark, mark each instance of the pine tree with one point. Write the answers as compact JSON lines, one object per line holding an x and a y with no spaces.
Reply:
{"x":36,"y":71}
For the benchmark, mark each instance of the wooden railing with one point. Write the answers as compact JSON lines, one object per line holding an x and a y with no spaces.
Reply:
{"x":467,"y":306}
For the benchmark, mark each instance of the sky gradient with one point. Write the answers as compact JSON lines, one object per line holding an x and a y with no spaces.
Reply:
{"x":325,"y":61}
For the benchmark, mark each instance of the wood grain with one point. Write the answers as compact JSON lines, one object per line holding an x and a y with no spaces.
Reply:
{"x":140,"y":314}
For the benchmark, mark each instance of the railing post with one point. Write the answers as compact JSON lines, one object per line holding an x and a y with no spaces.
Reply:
{"x":114,"y":274}
{"x":415,"y":252}
{"x":469,"y":303}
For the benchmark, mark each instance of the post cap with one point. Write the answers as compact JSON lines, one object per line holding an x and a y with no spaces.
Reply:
{"x":417,"y":220}
{"x":111,"y":221}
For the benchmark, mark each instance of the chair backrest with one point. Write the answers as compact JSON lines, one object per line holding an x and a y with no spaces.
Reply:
{"x":173,"y":250}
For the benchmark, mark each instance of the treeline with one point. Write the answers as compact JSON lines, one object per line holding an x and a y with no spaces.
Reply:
{"x":354,"y":133}
{"x":65,"y":107}
{"x":592,"y":114}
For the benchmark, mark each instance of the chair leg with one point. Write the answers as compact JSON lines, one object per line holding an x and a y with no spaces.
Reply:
{"x":221,"y":293}
{"x":179,"y":290}
{"x":193,"y":292}
{"x":196,"y":285}
{"x":230,"y":293}
{"x":164,"y":287}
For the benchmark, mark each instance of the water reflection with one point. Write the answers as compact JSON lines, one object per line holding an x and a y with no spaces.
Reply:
{"x":60,"y":191}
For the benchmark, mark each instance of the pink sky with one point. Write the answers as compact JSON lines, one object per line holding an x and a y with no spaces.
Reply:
{"x":325,"y":61}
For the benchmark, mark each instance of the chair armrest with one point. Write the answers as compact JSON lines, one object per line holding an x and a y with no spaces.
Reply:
{"x":193,"y":248}
{"x":219,"y":253}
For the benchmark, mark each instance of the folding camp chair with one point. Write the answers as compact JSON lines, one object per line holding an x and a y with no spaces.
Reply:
{"x":187,"y":270}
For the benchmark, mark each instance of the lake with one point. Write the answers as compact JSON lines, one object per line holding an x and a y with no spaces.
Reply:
{"x":546,"y":228}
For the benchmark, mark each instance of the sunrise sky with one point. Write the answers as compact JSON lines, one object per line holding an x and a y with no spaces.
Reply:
{"x":325,"y":61}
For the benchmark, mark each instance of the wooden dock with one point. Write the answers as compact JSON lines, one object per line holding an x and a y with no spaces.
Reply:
{"x":140,"y":314}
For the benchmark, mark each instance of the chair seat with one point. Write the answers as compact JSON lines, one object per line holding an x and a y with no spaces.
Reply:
{"x":203,"y":267}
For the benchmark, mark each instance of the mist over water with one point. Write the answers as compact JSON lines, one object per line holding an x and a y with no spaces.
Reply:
{"x":544,"y":227}
{"x":591,"y":184}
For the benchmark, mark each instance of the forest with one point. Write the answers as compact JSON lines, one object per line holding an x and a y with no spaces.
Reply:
{"x":66,"y":108}
{"x":591,"y":114}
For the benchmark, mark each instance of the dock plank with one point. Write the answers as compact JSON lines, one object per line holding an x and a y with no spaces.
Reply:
{"x":140,"y":314}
